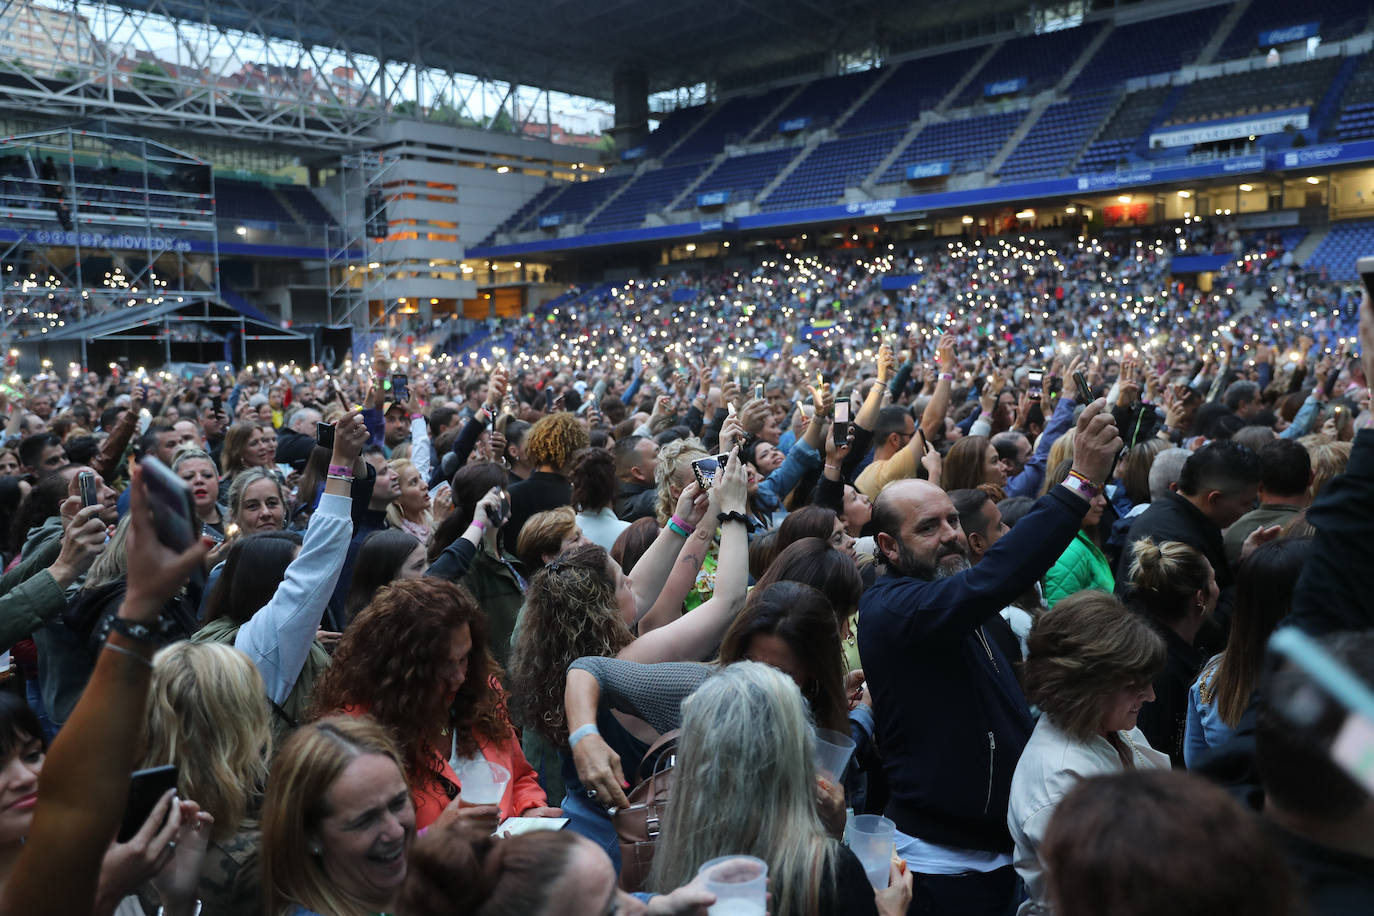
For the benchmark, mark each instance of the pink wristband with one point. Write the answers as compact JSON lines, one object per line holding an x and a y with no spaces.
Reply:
{"x":340,"y":470}
{"x":683,"y":525}
{"x":477,"y":522}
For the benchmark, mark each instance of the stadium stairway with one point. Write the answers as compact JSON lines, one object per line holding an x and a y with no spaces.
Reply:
{"x":296,"y":215}
{"x":1327,"y":112}
{"x":1309,"y":244}
{"x":1166,"y":108}
{"x":766,"y":123}
{"x":1088,"y":54}
{"x":958,"y":88}
{"x":607,"y":200}
{"x":902,"y":143}
{"x":812,"y":142}
{"x":1224,"y":29}
{"x":1037,"y":108}
{"x":883,"y":76}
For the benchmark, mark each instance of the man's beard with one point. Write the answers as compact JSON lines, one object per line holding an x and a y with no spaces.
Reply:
{"x":907,"y":564}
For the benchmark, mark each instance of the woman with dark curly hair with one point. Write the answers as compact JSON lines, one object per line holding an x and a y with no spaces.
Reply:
{"x":549,"y":447}
{"x":416,"y":660}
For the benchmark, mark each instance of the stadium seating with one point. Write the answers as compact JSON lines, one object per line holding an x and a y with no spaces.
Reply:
{"x":743,"y":176}
{"x":672,"y":128}
{"x":1050,"y":145}
{"x":1345,"y":242}
{"x":1040,"y":59}
{"x":831,"y":167}
{"x":913,"y":87}
{"x":1338,"y":18}
{"x":1152,"y":46}
{"x":653,"y":190}
{"x":729,"y":122}
{"x":518,"y":221}
{"x":1357,"y":112}
{"x":825,"y":100}
{"x":968,"y":144}
{"x":1113,"y":145}
{"x":248,"y":200}
{"x":1256,"y":91}
{"x":581,"y":198}
{"x":305,"y":203}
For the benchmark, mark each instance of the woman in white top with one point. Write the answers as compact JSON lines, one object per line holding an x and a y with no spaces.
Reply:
{"x":1089,"y":670}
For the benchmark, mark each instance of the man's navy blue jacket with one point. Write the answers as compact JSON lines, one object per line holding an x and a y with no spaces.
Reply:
{"x":951,"y":718}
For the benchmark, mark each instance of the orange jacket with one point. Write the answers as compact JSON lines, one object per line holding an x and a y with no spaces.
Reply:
{"x":428,"y":794}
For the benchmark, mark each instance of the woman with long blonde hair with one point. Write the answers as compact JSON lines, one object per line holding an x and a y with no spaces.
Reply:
{"x":337,"y":821}
{"x":207,"y":715}
{"x":751,"y":718}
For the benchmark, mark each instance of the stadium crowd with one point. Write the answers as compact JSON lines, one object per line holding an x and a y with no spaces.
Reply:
{"x":1010,"y":533}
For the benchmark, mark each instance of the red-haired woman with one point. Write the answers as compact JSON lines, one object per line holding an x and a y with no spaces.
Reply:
{"x":416,"y":660}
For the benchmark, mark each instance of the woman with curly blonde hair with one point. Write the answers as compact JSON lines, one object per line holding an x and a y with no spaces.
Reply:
{"x":411,"y":511}
{"x":416,"y":660}
{"x":549,"y":448}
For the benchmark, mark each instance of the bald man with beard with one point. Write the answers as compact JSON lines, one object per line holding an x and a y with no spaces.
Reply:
{"x":952,"y":719}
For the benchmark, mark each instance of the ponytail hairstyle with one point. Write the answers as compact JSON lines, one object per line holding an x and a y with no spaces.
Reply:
{"x":1165,"y":577}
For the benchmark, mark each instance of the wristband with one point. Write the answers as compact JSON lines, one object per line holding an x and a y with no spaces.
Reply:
{"x":346,"y":478}
{"x":945,"y":377}
{"x":735,"y":517}
{"x":417,"y":416}
{"x":138,"y":632}
{"x":677,"y":520}
{"x":588,"y":729}
{"x":678,"y":530}
{"x":340,"y":470}
{"x":478,"y":524}
{"x":1081,"y":486}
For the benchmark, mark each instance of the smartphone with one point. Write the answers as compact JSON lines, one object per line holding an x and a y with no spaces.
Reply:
{"x":174,"y":509}
{"x":324,"y":434}
{"x":400,"y":387}
{"x":840,"y":430}
{"x":758,"y":391}
{"x":501,"y":514}
{"x":338,"y":392}
{"x":85,"y":482}
{"x":706,"y":469}
{"x":217,"y":403}
{"x":1365,"y":268}
{"x":1035,"y":381}
{"x":146,"y":788}
{"x":1085,"y":391}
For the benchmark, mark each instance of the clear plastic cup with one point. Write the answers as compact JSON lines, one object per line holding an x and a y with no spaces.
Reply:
{"x":740,"y":885}
{"x":833,"y":750}
{"x":870,"y":838}
{"x":483,"y":782}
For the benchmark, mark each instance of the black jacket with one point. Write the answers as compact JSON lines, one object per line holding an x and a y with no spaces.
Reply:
{"x":537,"y":493}
{"x":1334,"y":591}
{"x":294,"y":449}
{"x":1173,"y":518}
{"x":951,"y":718}
{"x":634,"y":501}
{"x":1164,"y":721}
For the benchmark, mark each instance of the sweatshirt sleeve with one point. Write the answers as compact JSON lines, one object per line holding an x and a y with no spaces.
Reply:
{"x":419,"y":447}
{"x":782,"y":481}
{"x":112,"y":450}
{"x":278,"y":637}
{"x":654,"y":693}
{"x":27,"y":607}
{"x":947,"y":609}
{"x":1028,"y":482}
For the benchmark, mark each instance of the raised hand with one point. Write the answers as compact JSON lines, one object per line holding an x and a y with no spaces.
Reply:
{"x":1096,"y":442}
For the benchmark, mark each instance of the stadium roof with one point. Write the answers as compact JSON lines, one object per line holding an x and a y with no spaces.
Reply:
{"x":576,"y":47}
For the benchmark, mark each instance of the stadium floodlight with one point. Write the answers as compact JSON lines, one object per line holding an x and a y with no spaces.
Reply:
{"x":1313,"y":179}
{"x":1247,"y":187}
{"x":240,"y":230}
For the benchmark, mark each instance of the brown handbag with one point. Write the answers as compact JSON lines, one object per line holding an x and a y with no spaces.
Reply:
{"x":639,"y":825}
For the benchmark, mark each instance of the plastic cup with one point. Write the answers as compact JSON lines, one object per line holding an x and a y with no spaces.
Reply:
{"x":870,"y":838}
{"x":833,"y":750}
{"x":740,"y":884}
{"x":483,"y":782}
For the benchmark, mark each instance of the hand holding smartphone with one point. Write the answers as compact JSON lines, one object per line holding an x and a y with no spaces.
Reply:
{"x":840,"y":430}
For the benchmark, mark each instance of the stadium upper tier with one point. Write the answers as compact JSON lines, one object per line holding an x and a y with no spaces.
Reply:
{"x":1223,"y":80}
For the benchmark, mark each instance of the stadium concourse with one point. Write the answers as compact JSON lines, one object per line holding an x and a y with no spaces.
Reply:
{"x":754,"y":457}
